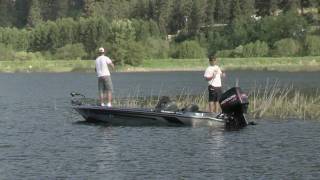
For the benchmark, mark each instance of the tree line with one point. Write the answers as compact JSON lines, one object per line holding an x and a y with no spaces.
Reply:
{"x":139,"y":29}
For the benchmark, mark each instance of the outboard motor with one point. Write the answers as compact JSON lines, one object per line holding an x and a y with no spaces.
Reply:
{"x":234,"y":103}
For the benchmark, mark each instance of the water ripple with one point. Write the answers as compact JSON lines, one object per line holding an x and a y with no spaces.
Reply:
{"x":41,"y":138}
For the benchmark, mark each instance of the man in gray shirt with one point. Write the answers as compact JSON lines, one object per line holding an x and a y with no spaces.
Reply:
{"x":104,"y":80}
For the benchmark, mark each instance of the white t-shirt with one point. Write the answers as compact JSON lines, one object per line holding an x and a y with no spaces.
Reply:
{"x":215,"y":72}
{"x":102,"y":65}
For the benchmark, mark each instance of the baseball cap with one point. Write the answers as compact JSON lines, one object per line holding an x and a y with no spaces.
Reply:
{"x":101,"y":49}
{"x":212,"y":58}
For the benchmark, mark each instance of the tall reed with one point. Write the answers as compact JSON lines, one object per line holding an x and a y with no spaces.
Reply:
{"x":270,"y":101}
{"x":283,"y":103}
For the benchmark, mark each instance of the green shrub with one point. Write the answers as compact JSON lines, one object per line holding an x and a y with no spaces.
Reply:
{"x":217,"y":41}
{"x":145,"y":29}
{"x":286,"y":47}
{"x":312,"y":45}
{"x":130,"y":53}
{"x":70,"y":51}
{"x":135,"y":54}
{"x":256,"y":49}
{"x":224,"y":53}
{"x":287,"y":25}
{"x":27,"y":56}
{"x":189,"y":49}
{"x":123,"y":49}
{"x":237,"y":52}
{"x":312,"y":18}
{"x":6,"y":53}
{"x":156,"y":48}
{"x":47,"y":55}
{"x":16,"y":38}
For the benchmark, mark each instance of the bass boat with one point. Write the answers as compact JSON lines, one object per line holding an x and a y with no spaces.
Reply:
{"x":234,"y":105}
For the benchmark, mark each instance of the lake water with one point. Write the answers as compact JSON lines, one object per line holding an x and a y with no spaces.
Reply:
{"x":42,"y":138}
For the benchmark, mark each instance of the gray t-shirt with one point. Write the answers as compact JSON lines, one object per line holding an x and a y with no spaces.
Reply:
{"x":214,"y":72}
{"x":102,"y":65}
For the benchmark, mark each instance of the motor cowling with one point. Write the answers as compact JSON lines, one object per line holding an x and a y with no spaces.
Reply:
{"x":234,"y":102}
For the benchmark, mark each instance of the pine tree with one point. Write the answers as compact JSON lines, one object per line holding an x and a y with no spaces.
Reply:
{"x":273,"y":7}
{"x":238,"y":19}
{"x":247,"y":8}
{"x":222,"y":11}
{"x":88,"y":7}
{"x":196,"y":17}
{"x":62,"y":7}
{"x":22,"y":9}
{"x":140,"y":10}
{"x":162,"y":12}
{"x":178,"y":18}
{"x":235,"y":11}
{"x":194,"y":20}
{"x":180,"y":15}
{"x":67,"y":31}
{"x":307,"y":3}
{"x":53,"y":9}
{"x":48,"y":9}
{"x":290,"y":5}
{"x":76,"y":8}
{"x":6,"y":13}
{"x":266,"y":7}
{"x":111,"y":9}
{"x":210,"y":11}
{"x":151,"y":9}
{"x":34,"y":16}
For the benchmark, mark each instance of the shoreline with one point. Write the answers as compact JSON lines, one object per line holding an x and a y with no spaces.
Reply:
{"x":135,"y":69}
{"x":285,"y":64}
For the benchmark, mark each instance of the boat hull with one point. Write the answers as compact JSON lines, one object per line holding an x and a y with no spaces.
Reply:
{"x":147,"y":117}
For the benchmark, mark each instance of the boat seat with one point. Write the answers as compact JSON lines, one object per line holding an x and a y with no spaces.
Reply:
{"x":190,"y":108}
{"x":165,"y":104}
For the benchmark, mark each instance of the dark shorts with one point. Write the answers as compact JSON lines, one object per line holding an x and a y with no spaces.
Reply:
{"x":214,"y":93}
{"x":105,"y":84}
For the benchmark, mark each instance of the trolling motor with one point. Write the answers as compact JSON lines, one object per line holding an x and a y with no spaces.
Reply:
{"x":234,"y":103}
{"x":76,"y":98}
{"x":74,"y":94}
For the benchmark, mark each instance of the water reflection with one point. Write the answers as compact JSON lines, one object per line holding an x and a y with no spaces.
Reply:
{"x":40,"y":139}
{"x":158,"y":152}
{"x":107,"y":152}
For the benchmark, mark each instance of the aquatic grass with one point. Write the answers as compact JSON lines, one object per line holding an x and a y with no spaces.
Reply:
{"x":283,"y":103}
{"x":269,"y":101}
{"x":262,"y":99}
{"x":135,"y":100}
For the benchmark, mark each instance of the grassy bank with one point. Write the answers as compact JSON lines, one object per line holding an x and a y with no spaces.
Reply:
{"x":46,"y":66}
{"x":272,"y":64}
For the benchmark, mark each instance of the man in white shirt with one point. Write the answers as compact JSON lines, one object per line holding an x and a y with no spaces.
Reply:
{"x":104,"y":80}
{"x":213,"y":75}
